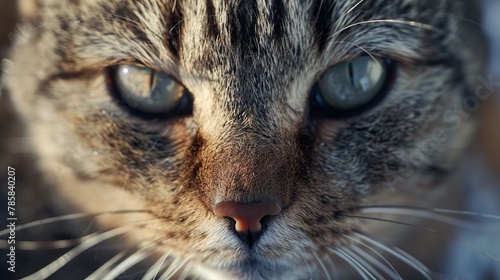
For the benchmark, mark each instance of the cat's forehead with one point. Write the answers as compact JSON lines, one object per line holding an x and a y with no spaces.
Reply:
{"x":247,"y":42}
{"x":226,"y":33}
{"x":254,"y":57}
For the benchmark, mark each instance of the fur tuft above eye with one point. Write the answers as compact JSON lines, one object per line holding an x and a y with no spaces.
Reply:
{"x":148,"y":93}
{"x":350,"y":88}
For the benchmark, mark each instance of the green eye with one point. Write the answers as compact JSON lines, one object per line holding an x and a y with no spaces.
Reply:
{"x":149,"y":93}
{"x":351,"y":87}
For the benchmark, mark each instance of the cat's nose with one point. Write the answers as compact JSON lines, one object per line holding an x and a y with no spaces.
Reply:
{"x":247,"y":216}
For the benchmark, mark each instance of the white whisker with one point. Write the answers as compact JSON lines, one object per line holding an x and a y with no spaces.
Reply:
{"x":423,"y":214}
{"x":334,"y":268}
{"x":105,"y":268}
{"x":468,"y":20}
{"x":364,"y":264}
{"x":434,"y":231}
{"x":422,"y":270}
{"x":48,"y":221}
{"x":319,"y":10}
{"x":359,"y":47}
{"x":436,"y":210}
{"x":354,"y":7}
{"x":185,"y":272}
{"x":139,"y":25}
{"x":128,"y":262}
{"x":387,"y":269}
{"x":413,"y":260}
{"x":173,"y":268}
{"x":73,"y":253}
{"x":309,"y":270}
{"x":392,"y":272}
{"x":176,"y":25}
{"x":352,"y":262}
{"x":67,"y":218}
{"x":38,"y":245}
{"x":105,"y":64}
{"x":327,"y":274}
{"x":155,"y":268}
{"x":396,"y":21}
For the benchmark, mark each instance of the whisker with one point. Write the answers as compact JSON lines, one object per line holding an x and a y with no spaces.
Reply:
{"x":319,"y":10}
{"x":468,"y":20}
{"x":175,"y":25}
{"x":392,"y":222}
{"x":177,"y":264}
{"x":331,"y":263}
{"x":145,"y":251}
{"x":38,"y":245}
{"x":361,"y":271}
{"x":105,"y":64}
{"x":424,"y":271}
{"x":420,"y":227}
{"x":412,"y":259}
{"x":309,"y":270}
{"x":75,"y":216}
{"x":470,"y":246}
{"x":423,"y":214}
{"x":73,"y":253}
{"x":363,"y":263}
{"x":354,"y":7}
{"x":174,"y":6}
{"x":327,"y":275}
{"x":376,"y":253}
{"x":105,"y":268}
{"x":137,"y":24}
{"x":396,"y":21}
{"x":386,"y":268}
{"x":155,"y":268}
{"x":436,"y":210}
{"x":128,"y":262}
{"x":185,"y":272}
{"x":359,"y":47}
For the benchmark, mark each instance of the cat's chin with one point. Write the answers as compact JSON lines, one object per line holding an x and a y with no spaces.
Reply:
{"x":254,"y":269}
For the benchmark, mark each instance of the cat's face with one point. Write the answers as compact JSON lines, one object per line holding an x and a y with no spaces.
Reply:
{"x":252,"y":124}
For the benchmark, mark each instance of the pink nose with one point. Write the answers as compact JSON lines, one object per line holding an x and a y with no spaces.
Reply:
{"x":247,"y":215}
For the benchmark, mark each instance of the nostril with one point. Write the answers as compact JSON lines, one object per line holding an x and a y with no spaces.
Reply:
{"x":247,"y":216}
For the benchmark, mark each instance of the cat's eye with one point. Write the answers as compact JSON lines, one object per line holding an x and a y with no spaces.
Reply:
{"x":149,"y":93}
{"x":351,"y":87}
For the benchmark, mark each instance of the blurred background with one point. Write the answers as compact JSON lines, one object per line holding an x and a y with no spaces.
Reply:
{"x":32,"y":198}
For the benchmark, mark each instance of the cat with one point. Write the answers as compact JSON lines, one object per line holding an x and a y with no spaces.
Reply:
{"x":264,"y":139}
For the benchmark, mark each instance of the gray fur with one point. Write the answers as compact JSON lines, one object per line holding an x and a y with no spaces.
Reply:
{"x":250,"y":66}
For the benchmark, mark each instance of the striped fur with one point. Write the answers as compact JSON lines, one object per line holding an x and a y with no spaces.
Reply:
{"x":250,"y":66}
